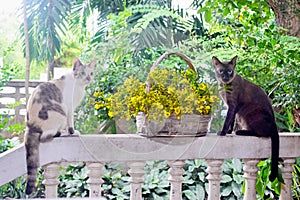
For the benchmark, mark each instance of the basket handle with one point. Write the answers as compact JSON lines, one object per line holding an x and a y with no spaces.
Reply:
{"x":165,"y":55}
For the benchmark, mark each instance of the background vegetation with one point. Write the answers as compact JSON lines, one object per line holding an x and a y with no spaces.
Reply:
{"x":126,"y":37}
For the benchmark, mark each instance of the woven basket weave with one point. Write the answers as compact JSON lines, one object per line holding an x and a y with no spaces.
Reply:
{"x":187,"y":125}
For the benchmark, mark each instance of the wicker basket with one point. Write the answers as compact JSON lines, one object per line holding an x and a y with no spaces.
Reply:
{"x":187,"y":125}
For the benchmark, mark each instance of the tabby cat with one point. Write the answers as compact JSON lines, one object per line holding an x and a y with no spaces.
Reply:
{"x":50,"y":112}
{"x":250,"y":111}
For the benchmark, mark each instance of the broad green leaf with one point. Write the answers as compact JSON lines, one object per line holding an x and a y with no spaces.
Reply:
{"x":236,"y":188}
{"x":190,"y":194}
{"x":207,"y":15}
{"x":226,"y":179}
{"x":225,"y":191}
{"x":201,"y":176}
{"x":238,"y":178}
{"x":200,"y":192}
{"x":237,"y":164}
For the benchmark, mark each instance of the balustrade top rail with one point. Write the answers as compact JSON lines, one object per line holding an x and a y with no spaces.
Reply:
{"x":130,"y":147}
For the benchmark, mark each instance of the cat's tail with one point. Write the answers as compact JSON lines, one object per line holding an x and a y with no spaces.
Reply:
{"x":275,"y":155}
{"x":32,"y":141}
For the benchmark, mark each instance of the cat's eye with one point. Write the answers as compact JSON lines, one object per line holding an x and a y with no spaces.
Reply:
{"x":229,"y":72}
{"x":221,"y":71}
{"x":82,"y":73}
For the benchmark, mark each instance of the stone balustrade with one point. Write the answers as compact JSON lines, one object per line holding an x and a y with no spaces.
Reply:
{"x":14,"y":93}
{"x":96,"y":150}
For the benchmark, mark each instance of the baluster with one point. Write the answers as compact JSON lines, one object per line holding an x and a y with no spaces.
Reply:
{"x":95,"y":180}
{"x":250,"y":174}
{"x":51,"y":173}
{"x":176,"y":179}
{"x":286,"y":170}
{"x":136,"y":172}
{"x":214,"y":177}
{"x":18,"y":118}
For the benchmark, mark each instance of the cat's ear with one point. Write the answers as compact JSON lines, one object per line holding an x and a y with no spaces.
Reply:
{"x":76,"y":64}
{"x":233,"y":61}
{"x":93,"y":63}
{"x":215,"y":61}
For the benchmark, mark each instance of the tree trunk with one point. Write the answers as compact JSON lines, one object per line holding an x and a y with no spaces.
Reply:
{"x":50,"y":69}
{"x":287,"y":13}
{"x":27,"y":54}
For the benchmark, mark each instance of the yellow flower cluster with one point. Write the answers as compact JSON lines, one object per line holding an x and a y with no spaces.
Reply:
{"x":170,"y":93}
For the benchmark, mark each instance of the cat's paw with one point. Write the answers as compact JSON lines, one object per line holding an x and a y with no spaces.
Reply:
{"x":222,"y":133}
{"x":71,"y":130}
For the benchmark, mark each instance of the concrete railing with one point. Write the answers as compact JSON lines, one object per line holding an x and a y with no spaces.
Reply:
{"x":13,"y":92}
{"x":96,"y":150}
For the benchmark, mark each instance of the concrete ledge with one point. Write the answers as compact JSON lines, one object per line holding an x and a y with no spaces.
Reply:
{"x":130,"y":147}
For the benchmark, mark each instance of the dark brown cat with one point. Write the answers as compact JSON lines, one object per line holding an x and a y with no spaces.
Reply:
{"x":250,"y":112}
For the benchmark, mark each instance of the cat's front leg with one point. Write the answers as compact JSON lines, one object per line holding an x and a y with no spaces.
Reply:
{"x":70,"y":122}
{"x":229,"y":122}
{"x":231,"y":127}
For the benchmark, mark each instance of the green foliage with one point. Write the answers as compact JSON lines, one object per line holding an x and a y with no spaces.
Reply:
{"x":285,"y":121}
{"x":266,"y":56}
{"x":195,"y":183}
{"x":232,"y":179}
{"x":296,"y":180}
{"x":7,"y":72}
{"x":14,"y":189}
{"x":264,"y":187}
{"x":115,"y":184}
{"x":45,"y":22}
{"x":73,"y":182}
{"x":156,"y":184}
{"x":111,"y":73}
{"x":6,"y":144}
{"x":236,"y":18}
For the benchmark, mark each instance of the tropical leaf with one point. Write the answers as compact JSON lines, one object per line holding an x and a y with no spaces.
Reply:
{"x":46,"y":20}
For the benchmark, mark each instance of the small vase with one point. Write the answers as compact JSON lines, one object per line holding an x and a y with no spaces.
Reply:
{"x":140,"y":122}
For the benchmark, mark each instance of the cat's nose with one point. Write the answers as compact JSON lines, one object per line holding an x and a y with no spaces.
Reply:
{"x":225,"y":78}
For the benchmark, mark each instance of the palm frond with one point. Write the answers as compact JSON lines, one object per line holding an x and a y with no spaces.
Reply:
{"x":46,"y":18}
{"x":157,"y":26}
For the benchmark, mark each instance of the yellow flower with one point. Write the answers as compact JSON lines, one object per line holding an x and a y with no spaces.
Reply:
{"x":203,"y":86}
{"x":177,"y":110}
{"x":97,"y":106}
{"x":110,"y":114}
{"x":171,"y":90}
{"x":167,"y":114}
{"x":96,"y":94}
